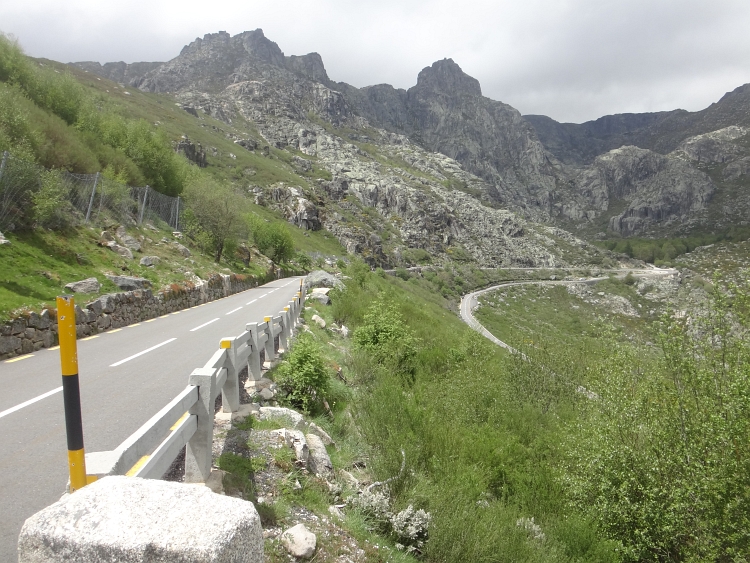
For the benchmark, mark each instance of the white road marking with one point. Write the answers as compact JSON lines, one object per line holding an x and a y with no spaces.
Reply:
{"x":251,"y":302}
{"x":29,"y":402}
{"x":141,"y":353}
{"x":204,"y":324}
{"x":234,"y":310}
{"x":262,"y":296}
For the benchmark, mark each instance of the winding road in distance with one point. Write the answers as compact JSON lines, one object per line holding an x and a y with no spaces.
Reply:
{"x":469,"y":301}
{"x":126,"y":376}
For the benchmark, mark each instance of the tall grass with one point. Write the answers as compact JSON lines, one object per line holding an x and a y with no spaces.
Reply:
{"x":654,"y":469}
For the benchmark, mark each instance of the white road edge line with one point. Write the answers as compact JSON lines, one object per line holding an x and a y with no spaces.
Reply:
{"x":29,"y":402}
{"x":141,"y":353}
{"x":204,"y":324}
{"x":251,"y":302}
{"x":234,"y":310}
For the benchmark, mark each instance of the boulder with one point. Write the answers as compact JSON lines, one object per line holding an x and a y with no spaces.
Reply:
{"x":129,"y":283}
{"x":106,"y":236}
{"x":320,"y":298}
{"x":89,"y":285}
{"x":299,"y":541}
{"x":150,"y":261}
{"x":275,"y":413}
{"x":127,"y":240}
{"x":3,"y":240}
{"x":121,"y":250}
{"x":320,"y":278}
{"x":132,"y":520}
{"x":318,"y":321}
{"x":318,"y":461}
{"x":181,"y":249}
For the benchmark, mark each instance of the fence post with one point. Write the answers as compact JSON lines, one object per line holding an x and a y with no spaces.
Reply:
{"x":230,"y":393}
{"x":91,"y":201}
{"x":143,"y":206}
{"x":2,"y":164}
{"x":177,"y":215}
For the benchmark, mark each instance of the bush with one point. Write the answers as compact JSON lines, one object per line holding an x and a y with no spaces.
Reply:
{"x":51,"y":206}
{"x":385,"y":336}
{"x":303,"y":375}
{"x":663,"y":460}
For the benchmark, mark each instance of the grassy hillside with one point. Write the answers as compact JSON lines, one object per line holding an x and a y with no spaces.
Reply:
{"x":63,"y":119}
{"x":509,"y":458}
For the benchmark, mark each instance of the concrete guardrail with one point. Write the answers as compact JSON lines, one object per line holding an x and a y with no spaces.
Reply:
{"x":188,"y":420}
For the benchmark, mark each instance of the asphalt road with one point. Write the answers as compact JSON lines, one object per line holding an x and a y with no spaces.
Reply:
{"x":469,"y":301}
{"x":126,"y":376}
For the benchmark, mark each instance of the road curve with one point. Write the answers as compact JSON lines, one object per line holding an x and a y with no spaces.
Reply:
{"x":469,"y":301}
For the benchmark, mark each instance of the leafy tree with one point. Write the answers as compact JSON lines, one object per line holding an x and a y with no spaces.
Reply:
{"x":272,"y":239}
{"x":213,"y":216}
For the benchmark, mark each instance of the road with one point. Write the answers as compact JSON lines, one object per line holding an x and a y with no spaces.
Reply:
{"x":469,"y":301}
{"x":126,"y":376}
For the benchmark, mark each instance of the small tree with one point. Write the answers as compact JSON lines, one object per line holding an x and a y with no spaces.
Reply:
{"x":214,"y":215}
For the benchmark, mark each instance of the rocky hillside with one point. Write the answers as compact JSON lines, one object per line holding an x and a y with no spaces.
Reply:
{"x":382,"y":194}
{"x":624,"y":174}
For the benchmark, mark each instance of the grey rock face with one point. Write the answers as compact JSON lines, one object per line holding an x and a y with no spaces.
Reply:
{"x":89,"y":285}
{"x":129,"y":283}
{"x":654,"y":189}
{"x":133,"y":520}
{"x":320,"y":298}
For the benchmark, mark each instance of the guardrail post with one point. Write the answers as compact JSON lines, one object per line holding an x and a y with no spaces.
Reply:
{"x":285,"y":334}
{"x":198,"y":450}
{"x":230,"y":393}
{"x":270,"y":350}
{"x":253,"y":360}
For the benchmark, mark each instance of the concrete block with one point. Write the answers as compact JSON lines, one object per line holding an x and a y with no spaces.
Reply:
{"x":131,"y":520}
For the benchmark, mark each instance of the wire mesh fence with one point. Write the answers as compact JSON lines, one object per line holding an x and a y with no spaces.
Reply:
{"x":92,"y":197}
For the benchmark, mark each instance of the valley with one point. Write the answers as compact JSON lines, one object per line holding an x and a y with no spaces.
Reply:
{"x":413,"y":200}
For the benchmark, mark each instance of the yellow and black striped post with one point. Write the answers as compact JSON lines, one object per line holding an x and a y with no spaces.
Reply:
{"x":66,"y":324}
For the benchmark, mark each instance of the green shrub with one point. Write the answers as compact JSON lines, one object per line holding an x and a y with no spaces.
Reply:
{"x":303,"y":375}
{"x":385,"y":336}
{"x":51,"y":205}
{"x":662,"y":461}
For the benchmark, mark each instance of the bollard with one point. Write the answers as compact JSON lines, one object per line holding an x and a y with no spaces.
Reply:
{"x":66,"y":324}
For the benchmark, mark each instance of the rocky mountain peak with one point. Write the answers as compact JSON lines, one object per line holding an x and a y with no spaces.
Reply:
{"x":259,"y":46}
{"x":446,"y":77}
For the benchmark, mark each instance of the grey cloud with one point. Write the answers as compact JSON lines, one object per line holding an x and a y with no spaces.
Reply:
{"x":572,"y":60}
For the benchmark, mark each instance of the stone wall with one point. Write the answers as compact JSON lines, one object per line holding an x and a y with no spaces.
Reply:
{"x":34,"y":331}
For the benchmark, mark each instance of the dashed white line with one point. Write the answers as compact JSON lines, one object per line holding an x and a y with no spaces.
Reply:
{"x":141,"y":353}
{"x":262,"y":296}
{"x":29,"y":402}
{"x":234,"y":310}
{"x":251,"y":302}
{"x":204,"y":324}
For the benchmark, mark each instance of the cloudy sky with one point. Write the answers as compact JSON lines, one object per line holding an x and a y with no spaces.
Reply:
{"x":573,"y":60}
